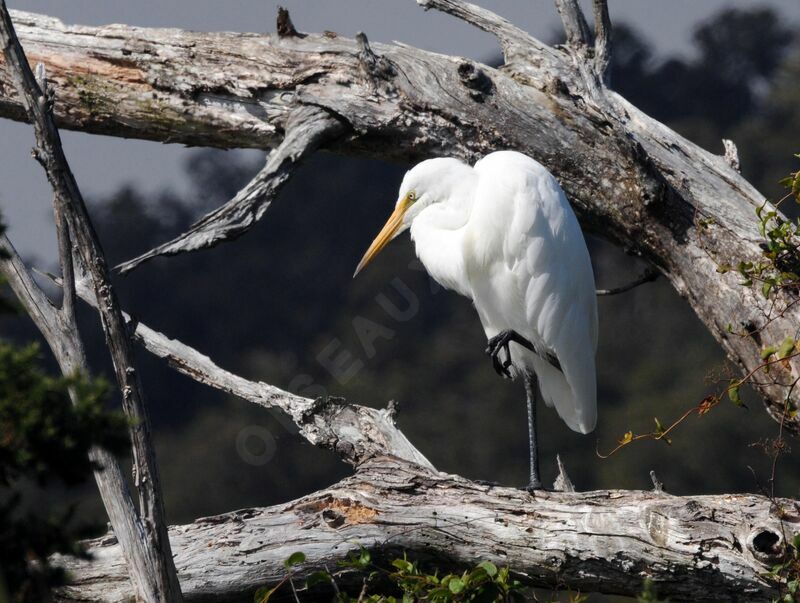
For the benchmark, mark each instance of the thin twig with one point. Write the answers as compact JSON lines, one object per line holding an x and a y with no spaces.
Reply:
{"x":647,"y":276}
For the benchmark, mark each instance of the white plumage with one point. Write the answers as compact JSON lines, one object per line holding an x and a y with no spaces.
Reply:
{"x":503,"y":234}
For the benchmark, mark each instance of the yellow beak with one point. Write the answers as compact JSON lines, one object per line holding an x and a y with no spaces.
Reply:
{"x":387,"y":233}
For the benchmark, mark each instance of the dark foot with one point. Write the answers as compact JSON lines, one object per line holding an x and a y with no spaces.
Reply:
{"x":500,"y":342}
{"x":534,"y":487}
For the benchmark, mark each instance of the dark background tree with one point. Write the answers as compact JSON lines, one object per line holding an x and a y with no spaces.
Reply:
{"x":272,"y":305}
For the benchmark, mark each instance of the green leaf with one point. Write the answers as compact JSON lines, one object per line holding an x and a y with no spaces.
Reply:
{"x":768,"y":351}
{"x":787,"y":347}
{"x":318,"y":578}
{"x":766,"y":288}
{"x":489,"y":567}
{"x":733,"y":393}
{"x":294,"y":559}
{"x":403,"y":565}
{"x":456,"y":585}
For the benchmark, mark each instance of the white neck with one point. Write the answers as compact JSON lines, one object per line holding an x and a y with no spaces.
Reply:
{"x":438,"y":233}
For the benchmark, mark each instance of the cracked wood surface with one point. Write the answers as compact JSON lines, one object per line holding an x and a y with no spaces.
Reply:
{"x":630,"y":179}
{"x":702,"y":548}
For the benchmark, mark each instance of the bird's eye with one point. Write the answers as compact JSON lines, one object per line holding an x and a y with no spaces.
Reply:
{"x":412,"y":196}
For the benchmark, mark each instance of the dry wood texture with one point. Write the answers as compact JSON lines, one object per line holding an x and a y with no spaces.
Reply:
{"x":693,"y":548}
{"x":705,"y":548}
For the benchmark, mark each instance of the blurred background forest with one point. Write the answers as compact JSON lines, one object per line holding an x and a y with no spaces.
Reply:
{"x":279,"y":304}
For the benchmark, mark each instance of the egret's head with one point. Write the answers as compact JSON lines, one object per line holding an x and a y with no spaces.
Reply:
{"x":429,"y":182}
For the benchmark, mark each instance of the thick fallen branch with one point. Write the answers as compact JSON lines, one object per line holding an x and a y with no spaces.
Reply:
{"x":630,"y":178}
{"x":693,"y":548}
{"x":704,"y":548}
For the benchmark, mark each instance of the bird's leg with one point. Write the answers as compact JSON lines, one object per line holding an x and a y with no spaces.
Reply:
{"x":531,"y":387}
{"x":501,"y":342}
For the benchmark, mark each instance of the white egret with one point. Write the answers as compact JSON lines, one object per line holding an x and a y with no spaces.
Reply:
{"x":503,"y":234}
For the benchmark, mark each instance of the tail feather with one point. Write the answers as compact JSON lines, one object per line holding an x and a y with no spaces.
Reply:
{"x":578,"y":412}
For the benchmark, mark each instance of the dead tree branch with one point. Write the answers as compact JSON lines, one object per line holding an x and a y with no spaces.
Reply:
{"x":703,"y":548}
{"x":575,"y":26}
{"x":602,"y":39}
{"x":308,"y":128}
{"x":356,"y":433}
{"x":629,"y":177}
{"x":61,"y":334}
{"x":156,"y":579}
{"x":693,"y":548}
{"x":648,"y":276}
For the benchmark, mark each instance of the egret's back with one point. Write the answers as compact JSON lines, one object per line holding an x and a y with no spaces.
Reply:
{"x":529,"y":271}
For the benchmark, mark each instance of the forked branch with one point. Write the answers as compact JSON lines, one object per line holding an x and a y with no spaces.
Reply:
{"x":153,"y":572}
{"x":356,"y":433}
{"x":575,"y":26}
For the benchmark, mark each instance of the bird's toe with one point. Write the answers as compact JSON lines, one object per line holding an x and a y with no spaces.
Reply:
{"x":534,"y":486}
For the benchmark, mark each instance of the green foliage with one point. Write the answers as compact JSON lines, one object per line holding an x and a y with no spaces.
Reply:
{"x":44,"y":439}
{"x":648,"y":594}
{"x":780,"y":266}
{"x":404,"y":581}
{"x":43,"y":434}
{"x":787,"y":573}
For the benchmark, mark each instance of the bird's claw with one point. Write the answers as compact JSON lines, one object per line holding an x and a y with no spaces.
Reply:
{"x":535,"y":487}
{"x":496,"y":344}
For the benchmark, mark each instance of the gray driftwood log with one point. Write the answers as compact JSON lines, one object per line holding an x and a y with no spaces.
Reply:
{"x":701,"y":548}
{"x":705,"y":548}
{"x":630,"y":178}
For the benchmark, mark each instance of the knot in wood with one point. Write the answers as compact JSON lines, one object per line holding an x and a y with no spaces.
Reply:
{"x":479,"y":84}
{"x":766,"y":545}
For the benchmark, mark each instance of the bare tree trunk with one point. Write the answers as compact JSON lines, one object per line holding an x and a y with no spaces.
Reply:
{"x":630,"y":178}
{"x":706,"y":548}
{"x":143,"y":534}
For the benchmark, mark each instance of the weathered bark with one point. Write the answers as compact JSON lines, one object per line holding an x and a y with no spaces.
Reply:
{"x":693,"y":548}
{"x":707,"y":548}
{"x":630,"y":178}
{"x":144,"y":534}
